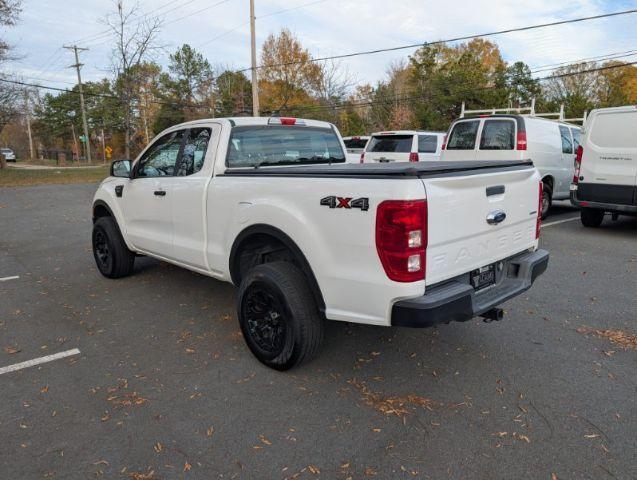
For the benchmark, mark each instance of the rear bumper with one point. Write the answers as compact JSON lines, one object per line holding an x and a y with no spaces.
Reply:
{"x":457,"y":301}
{"x":609,"y":207}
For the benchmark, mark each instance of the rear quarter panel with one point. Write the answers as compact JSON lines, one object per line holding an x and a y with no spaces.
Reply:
{"x":338,"y":243}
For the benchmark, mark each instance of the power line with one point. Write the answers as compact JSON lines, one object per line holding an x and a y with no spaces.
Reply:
{"x":598,"y":58}
{"x":449,"y":40}
{"x":398,"y":98}
{"x":310,"y":107}
{"x":291,"y":9}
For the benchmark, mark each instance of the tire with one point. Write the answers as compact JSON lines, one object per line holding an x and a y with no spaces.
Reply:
{"x":591,"y":217}
{"x":278,"y":316}
{"x":547,"y":200}
{"x":112,"y":256}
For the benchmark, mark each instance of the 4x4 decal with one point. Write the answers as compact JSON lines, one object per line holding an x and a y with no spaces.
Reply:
{"x":346,"y":202}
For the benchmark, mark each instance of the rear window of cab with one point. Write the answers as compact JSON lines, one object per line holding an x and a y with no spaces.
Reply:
{"x":463,"y":135}
{"x":260,"y":145}
{"x":496,"y":134}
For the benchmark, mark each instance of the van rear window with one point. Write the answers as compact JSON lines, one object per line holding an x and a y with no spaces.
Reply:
{"x":615,"y":130}
{"x":463,"y":136}
{"x":391,"y":143}
{"x":497,"y":135}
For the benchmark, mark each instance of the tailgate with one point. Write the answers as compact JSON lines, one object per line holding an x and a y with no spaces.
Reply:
{"x":460,"y":238}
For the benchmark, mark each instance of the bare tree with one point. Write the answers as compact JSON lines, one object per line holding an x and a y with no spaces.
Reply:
{"x":135,"y":42}
{"x":333,"y":82}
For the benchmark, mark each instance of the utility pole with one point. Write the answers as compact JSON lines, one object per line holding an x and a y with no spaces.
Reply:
{"x":77,"y":66}
{"x":255,"y":84}
{"x":27,"y":113}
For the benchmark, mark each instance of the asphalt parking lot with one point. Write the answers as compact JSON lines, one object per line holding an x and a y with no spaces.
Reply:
{"x":163,"y":386}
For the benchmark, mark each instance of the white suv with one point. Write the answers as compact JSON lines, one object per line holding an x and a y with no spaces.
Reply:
{"x":403,"y":146}
{"x":605,"y":178}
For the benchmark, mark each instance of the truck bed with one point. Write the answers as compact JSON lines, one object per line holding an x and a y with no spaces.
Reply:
{"x":384,"y":170}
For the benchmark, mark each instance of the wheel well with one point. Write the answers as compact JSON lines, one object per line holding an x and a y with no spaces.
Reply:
{"x":548,"y":180}
{"x":101,"y":210}
{"x":264,"y":244}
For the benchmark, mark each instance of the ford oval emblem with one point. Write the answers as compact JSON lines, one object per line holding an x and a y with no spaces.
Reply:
{"x":495,"y":217}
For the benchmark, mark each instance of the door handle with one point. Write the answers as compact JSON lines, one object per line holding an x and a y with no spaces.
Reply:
{"x":160,"y":193}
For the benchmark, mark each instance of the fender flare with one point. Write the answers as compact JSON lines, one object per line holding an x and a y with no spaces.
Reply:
{"x":281,"y":236}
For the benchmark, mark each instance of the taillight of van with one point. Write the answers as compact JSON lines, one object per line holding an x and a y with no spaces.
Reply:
{"x":444,"y":142}
{"x":521,"y":141}
{"x":413,"y":157}
{"x":362,"y":160}
{"x":578,"y":163}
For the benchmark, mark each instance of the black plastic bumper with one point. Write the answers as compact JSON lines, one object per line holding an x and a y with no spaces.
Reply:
{"x":457,"y":300}
{"x":608,"y":207}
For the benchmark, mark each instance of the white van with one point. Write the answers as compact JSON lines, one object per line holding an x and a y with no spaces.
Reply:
{"x":549,"y":144}
{"x":403,"y":146}
{"x":605,"y":178}
{"x":355,"y":146}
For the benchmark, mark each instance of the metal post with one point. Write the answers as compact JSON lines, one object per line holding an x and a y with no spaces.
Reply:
{"x":87,"y":144}
{"x":255,"y":84}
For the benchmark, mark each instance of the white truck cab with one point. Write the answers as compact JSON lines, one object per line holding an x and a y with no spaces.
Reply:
{"x":550,"y":144}
{"x":272,"y":206}
{"x":403,"y":146}
{"x":605,"y":178}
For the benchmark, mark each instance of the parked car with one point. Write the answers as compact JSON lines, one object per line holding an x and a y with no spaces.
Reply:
{"x":8,"y":154}
{"x":548,"y":143}
{"x":403,"y":146}
{"x":272,"y":206}
{"x":355,"y":146}
{"x":605,"y":178}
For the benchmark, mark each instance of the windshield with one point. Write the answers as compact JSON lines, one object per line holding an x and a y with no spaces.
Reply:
{"x":283,"y":145}
{"x":391,"y":143}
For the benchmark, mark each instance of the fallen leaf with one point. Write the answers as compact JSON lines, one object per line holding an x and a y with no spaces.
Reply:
{"x":210,"y":431}
{"x":11,"y":350}
{"x":158,"y":447}
{"x":187,"y":467}
{"x":314,"y":470}
{"x":592,"y":435}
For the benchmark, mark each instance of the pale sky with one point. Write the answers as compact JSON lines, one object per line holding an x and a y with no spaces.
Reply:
{"x":325,"y":27}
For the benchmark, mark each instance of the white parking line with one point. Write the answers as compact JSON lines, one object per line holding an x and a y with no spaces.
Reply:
{"x":6,"y":279}
{"x":39,"y":361}
{"x":557,"y":222}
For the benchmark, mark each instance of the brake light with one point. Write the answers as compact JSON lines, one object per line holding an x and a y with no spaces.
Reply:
{"x":362,"y":160}
{"x":538,"y":224}
{"x":578,"y":164}
{"x":444,"y":142}
{"x":413,"y":157}
{"x":521,"y":143}
{"x":401,"y":239}
{"x":285,"y":121}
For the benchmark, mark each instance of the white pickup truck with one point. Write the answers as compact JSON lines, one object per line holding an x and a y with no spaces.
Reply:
{"x":271,"y":206}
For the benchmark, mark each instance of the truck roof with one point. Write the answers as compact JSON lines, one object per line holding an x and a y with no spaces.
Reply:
{"x":256,"y":121}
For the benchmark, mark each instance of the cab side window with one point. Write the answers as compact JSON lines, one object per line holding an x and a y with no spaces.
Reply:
{"x":427,"y":143}
{"x":160,"y":160}
{"x":194,"y":153}
{"x":567,"y":143}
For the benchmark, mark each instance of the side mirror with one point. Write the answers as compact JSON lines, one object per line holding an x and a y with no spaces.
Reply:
{"x":121,"y":168}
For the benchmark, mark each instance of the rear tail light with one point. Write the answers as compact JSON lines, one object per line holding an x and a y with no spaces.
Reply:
{"x":578,"y":163}
{"x":413,"y":157}
{"x":401,"y":239}
{"x":444,"y":142}
{"x":521,"y":141}
{"x":362,"y":160}
{"x":538,"y":224}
